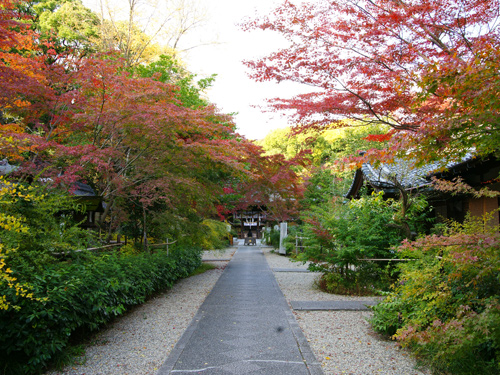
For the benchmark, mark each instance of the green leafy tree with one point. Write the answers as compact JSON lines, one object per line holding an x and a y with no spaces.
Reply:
{"x":341,"y":237}
{"x":169,"y":69}
{"x":68,"y":22}
{"x":292,"y":143}
{"x":46,"y":225}
{"x":331,"y":175}
{"x":342,"y":233}
{"x":11,"y":225}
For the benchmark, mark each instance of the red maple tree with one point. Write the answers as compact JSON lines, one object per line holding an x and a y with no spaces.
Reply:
{"x":68,"y":118}
{"x":427,"y":68}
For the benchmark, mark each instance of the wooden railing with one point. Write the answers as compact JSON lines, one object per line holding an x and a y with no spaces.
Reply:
{"x":163,"y":244}
{"x":89,"y":249}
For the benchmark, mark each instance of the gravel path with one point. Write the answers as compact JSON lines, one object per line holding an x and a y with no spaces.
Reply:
{"x":139,"y":342}
{"x":342,"y":341}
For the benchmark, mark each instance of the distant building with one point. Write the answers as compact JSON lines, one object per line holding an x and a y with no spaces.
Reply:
{"x":250,"y":222}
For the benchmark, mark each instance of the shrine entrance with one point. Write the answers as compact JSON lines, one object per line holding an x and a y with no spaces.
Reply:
{"x":251,"y":223}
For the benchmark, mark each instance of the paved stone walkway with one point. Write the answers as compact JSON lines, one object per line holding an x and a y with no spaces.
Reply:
{"x":332,"y":305}
{"x":244,"y":326}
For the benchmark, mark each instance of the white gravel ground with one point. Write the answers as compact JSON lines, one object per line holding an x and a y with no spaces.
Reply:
{"x":342,"y":341}
{"x":139,"y":342}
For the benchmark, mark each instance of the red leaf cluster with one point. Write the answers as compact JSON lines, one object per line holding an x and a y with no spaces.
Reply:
{"x":89,"y":119}
{"x":427,"y":68}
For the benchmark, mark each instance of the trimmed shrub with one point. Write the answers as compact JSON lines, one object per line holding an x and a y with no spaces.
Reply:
{"x":80,"y":295}
{"x":272,"y":238}
{"x":338,"y":236}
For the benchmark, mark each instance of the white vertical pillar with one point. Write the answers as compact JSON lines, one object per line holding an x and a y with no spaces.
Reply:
{"x":283,"y":234}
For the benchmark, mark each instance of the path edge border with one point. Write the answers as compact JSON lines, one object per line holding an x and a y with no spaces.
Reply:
{"x":311,"y":362}
{"x":167,"y":366}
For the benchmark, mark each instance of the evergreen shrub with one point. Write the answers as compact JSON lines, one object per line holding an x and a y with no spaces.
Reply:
{"x":80,"y":295}
{"x":272,"y":238}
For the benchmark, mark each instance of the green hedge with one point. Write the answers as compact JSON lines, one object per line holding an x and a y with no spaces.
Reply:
{"x":81,"y":295}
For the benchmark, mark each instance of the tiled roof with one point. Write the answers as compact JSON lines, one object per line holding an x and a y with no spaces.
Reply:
{"x":406,"y":173}
{"x":83,"y":190}
{"x":6,"y":168}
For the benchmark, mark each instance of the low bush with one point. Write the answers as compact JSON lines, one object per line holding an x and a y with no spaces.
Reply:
{"x":446,"y":305}
{"x":368,"y":279}
{"x":78,"y":295}
{"x":340,"y":236}
{"x":214,"y":234}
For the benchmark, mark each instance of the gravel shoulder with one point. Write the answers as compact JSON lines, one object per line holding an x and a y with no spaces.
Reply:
{"x":342,"y":341}
{"x":139,"y":342}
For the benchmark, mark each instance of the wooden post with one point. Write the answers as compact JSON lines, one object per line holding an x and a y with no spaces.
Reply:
{"x":145,"y":234}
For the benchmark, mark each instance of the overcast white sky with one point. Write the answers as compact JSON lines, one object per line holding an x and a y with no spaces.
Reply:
{"x":233,"y":91}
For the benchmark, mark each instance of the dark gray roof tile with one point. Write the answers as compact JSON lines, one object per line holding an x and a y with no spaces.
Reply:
{"x":405,"y":171}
